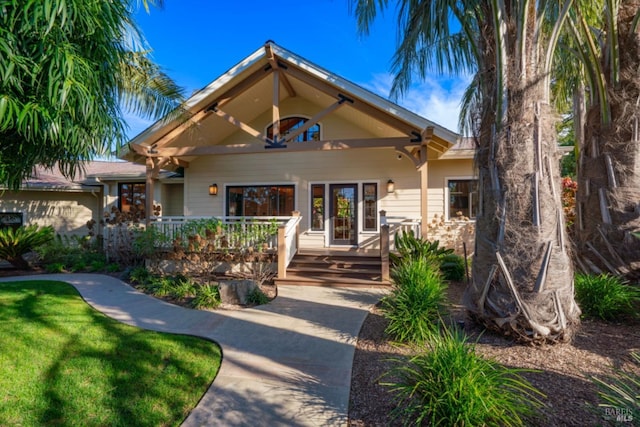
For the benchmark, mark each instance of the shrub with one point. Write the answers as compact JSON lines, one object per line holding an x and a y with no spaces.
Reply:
{"x":207,"y":296}
{"x":113,"y":267}
{"x":15,"y":243}
{"x":452,"y":267}
{"x":75,"y":253}
{"x":139,"y":275}
{"x":162,"y":286}
{"x":183,"y":287}
{"x":410,"y":247}
{"x":56,"y":267}
{"x":619,"y":393}
{"x":257,"y":297}
{"x":606,"y":297}
{"x":78,"y":266}
{"x":450,"y":385}
{"x":416,"y":301}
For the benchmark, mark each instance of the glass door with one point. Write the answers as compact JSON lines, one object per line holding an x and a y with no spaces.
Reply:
{"x":344,"y":202}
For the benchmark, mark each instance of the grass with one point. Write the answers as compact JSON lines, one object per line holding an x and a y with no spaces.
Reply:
{"x":68,"y":364}
{"x":448,"y":384}
{"x":607,"y":297}
{"x":416,"y":302}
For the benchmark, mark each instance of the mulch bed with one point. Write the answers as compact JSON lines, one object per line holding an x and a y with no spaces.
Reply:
{"x":563,"y":370}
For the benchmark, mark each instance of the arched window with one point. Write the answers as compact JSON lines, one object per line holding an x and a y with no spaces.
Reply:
{"x":290,"y":124}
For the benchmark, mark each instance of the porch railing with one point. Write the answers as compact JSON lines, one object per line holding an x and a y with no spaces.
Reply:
{"x":389,"y":226}
{"x":274,"y":233}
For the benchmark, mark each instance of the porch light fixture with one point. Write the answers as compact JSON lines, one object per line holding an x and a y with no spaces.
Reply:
{"x":213,"y":189}
{"x":391,"y":186}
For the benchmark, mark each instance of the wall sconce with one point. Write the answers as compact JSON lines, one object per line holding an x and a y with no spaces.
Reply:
{"x":391,"y":186}
{"x":213,"y":190}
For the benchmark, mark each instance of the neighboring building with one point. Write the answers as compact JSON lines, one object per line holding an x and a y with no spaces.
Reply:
{"x":277,"y":133}
{"x":48,"y":198}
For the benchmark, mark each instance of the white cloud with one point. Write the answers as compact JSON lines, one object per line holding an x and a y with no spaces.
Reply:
{"x":435,"y":98}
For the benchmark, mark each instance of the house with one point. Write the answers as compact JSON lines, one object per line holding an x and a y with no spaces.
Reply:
{"x":49,"y":198}
{"x":278,"y":134}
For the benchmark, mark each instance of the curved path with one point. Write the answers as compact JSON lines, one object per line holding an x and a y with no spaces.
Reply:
{"x":287,"y":363}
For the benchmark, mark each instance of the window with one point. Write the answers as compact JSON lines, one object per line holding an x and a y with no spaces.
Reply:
{"x":265,"y":200}
{"x":10,"y":220}
{"x":370,"y":211}
{"x":463,"y":198}
{"x":290,"y":124}
{"x":317,"y":207}
{"x":131,"y":196}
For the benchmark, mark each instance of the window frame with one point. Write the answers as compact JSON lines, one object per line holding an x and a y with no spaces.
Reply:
{"x":447,"y":196}
{"x":323,"y":186}
{"x":142,"y":206}
{"x":227,"y":198}
{"x":365,"y":229}
{"x":269,"y":128}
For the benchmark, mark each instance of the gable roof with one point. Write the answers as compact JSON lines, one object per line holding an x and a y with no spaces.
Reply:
{"x":244,"y":92}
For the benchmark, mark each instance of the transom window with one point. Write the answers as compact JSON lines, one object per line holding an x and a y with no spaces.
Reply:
{"x":463,"y":198}
{"x":260,"y":200}
{"x":290,"y":124}
{"x":131,"y":196}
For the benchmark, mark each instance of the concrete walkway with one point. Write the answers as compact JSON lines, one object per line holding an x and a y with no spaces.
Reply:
{"x":287,"y":363}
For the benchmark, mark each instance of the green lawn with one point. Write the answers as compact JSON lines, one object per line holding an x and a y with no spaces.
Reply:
{"x":63,"y":363}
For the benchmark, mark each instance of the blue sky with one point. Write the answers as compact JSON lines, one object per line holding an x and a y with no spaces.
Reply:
{"x":196,"y":41}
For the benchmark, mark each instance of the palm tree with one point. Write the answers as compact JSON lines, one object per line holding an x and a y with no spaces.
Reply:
{"x":522,"y":274}
{"x":608,"y":207}
{"x":67,"y":69}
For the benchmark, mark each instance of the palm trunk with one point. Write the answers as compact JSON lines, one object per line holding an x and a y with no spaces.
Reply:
{"x":522,"y":272}
{"x":608,"y":199}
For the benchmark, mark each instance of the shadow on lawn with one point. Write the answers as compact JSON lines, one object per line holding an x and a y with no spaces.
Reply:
{"x":146,"y":386}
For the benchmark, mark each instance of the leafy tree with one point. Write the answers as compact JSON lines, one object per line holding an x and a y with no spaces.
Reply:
{"x":67,"y":68}
{"x":522,"y":275}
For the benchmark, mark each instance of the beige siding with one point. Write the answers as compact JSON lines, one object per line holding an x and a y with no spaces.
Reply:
{"x":172,"y":199}
{"x":303,"y":169}
{"x":67,"y":212}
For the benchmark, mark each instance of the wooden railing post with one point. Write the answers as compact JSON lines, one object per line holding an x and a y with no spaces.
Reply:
{"x":384,"y":246}
{"x":296,"y":214}
{"x":282,"y":251}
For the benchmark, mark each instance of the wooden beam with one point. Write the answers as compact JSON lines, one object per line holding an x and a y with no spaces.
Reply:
{"x":175,"y":132}
{"x":273,"y":61}
{"x":424,"y":192}
{"x":242,"y":87}
{"x":397,"y":143}
{"x":149,"y":189}
{"x":276,"y":106}
{"x":358,"y":105}
{"x":243,"y":126}
{"x":314,"y":120}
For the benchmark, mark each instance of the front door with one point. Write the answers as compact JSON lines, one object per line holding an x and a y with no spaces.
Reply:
{"x":344,"y":202}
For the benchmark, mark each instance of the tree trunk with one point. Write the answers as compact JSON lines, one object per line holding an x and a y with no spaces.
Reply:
{"x":522,"y":283}
{"x":19,"y":262}
{"x":608,"y":199}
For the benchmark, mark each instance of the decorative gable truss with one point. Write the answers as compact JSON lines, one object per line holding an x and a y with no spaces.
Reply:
{"x":418,"y":140}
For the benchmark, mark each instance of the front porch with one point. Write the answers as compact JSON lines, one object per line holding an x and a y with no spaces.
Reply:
{"x":280,"y":237}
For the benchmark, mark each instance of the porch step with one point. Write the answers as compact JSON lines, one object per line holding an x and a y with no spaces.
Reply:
{"x":333,"y":270}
